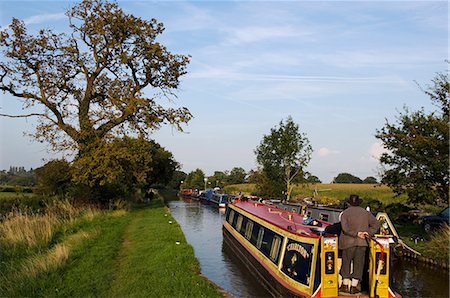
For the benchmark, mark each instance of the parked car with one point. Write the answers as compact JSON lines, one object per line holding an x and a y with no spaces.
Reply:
{"x":432,"y":222}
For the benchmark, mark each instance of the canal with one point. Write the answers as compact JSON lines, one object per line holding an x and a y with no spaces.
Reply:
{"x":202,"y":226}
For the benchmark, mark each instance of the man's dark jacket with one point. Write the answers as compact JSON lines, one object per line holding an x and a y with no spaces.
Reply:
{"x":353,"y":220}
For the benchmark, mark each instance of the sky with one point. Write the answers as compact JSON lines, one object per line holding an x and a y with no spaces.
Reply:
{"x":340,"y":69}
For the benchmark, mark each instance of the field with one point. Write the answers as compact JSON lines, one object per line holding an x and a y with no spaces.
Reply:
{"x":332,"y":193}
{"x":375,"y":195}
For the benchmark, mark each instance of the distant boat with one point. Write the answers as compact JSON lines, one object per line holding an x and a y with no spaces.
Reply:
{"x":186,"y":192}
{"x":206,"y":195}
{"x":220,"y":199}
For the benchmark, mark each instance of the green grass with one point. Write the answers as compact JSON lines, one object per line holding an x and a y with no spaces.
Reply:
{"x":167,"y":270}
{"x":108,"y":254}
{"x":15,"y":195}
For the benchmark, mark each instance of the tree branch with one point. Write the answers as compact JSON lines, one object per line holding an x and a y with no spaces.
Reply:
{"x":24,"y":116}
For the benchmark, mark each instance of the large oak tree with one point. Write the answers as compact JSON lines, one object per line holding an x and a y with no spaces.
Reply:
{"x":104,"y":79}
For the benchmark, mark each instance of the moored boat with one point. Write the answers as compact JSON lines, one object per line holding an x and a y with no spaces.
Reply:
{"x":186,"y":192}
{"x":220,"y":199}
{"x":294,"y":257}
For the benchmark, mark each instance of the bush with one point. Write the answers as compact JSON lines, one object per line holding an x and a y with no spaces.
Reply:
{"x":395,"y":209}
{"x":438,"y":245}
{"x":375,"y":205}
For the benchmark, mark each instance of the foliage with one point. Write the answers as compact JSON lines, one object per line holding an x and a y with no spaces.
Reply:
{"x":370,"y":180}
{"x":347,"y":178}
{"x":438,"y":246}
{"x":417,"y":161}
{"x":312,"y":179}
{"x":92,"y":83}
{"x":283,"y":154}
{"x":177,"y":178}
{"x":237,"y":175}
{"x":123,"y":166}
{"x":195,"y":180}
{"x":219,"y":179}
{"x":54,"y":178}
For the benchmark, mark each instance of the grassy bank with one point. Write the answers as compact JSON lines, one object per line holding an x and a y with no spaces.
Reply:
{"x":89,"y":252}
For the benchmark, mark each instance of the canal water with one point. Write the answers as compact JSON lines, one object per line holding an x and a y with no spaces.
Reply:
{"x":202,"y":226}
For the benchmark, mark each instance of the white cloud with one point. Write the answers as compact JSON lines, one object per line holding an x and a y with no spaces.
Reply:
{"x":257,"y":33}
{"x":376,"y":150}
{"x":44,"y":18}
{"x":326,"y":152}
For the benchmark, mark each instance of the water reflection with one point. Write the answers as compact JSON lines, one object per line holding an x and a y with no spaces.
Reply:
{"x":417,"y":280}
{"x":202,"y":226}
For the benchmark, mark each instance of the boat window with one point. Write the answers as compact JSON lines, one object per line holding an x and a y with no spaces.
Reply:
{"x":255,"y":233}
{"x":243,"y":225}
{"x":294,"y":210}
{"x":323,"y":216}
{"x":260,"y":237}
{"x":231,"y":217}
{"x":275,"y":249}
{"x":248,"y":229}
{"x":239,"y":223}
{"x":297,"y":262}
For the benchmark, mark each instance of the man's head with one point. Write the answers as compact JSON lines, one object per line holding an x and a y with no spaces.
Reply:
{"x":353,"y":200}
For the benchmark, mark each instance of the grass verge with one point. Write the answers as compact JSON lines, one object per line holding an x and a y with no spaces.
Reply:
{"x":156,"y":260}
{"x":104,"y":254}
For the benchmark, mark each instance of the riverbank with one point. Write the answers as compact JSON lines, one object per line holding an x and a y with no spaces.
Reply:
{"x":141,"y":252}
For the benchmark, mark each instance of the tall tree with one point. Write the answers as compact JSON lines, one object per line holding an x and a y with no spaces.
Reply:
{"x":219,"y":179}
{"x":195,"y":179}
{"x":236,"y":176}
{"x":283,"y":154}
{"x":347,"y":178}
{"x":418,"y":144}
{"x":101,"y":80}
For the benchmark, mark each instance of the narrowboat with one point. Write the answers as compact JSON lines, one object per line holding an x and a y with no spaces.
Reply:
{"x":220,"y":199}
{"x":292,"y":256}
{"x":186,"y":192}
{"x":206,"y":195}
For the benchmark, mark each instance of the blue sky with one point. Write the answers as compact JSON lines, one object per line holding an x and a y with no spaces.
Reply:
{"x":338,"y":68}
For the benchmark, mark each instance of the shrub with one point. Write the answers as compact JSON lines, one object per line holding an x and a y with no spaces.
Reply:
{"x":395,"y":209}
{"x":438,"y":245}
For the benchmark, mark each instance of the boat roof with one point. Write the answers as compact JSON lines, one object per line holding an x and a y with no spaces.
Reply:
{"x":288,"y":221}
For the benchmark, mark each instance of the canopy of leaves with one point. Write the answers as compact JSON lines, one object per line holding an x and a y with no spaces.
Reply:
{"x":346,"y":178}
{"x":219,"y":179}
{"x":101,"y":80}
{"x":283,"y":154}
{"x":312,"y":179}
{"x":195,"y":180}
{"x":237,"y":176}
{"x":370,"y":180}
{"x":54,"y":178}
{"x":418,"y":144}
{"x":132,"y":163}
{"x":177,"y":177}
